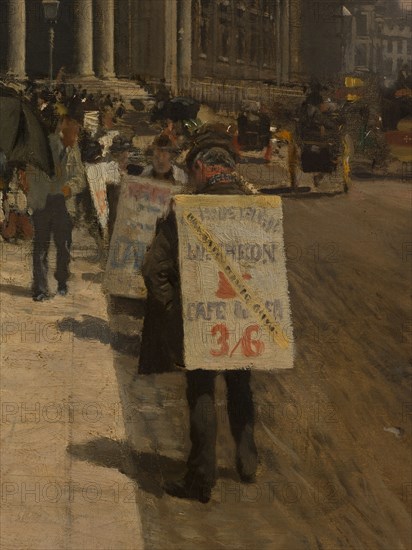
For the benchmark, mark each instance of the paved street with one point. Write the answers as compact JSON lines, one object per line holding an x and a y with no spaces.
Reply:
{"x":86,"y":444}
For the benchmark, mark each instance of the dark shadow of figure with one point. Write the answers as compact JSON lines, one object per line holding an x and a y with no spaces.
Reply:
{"x":96,"y":278}
{"x":95,"y":328}
{"x":15,"y":290}
{"x":148,"y":470}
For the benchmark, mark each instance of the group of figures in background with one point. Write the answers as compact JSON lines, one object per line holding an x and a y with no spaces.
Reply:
{"x":357,"y":121}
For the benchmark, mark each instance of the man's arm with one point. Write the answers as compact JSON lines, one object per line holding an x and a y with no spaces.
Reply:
{"x":159,"y":268}
{"x":75,"y":172}
{"x":38,"y":185}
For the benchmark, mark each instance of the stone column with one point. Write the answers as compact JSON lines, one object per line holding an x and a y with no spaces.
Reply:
{"x":295,"y":15}
{"x":170,"y":64}
{"x":278,"y":42}
{"x":285,"y":40}
{"x":16,"y":55}
{"x":351,"y":65}
{"x":104,"y":17}
{"x":184,"y":44}
{"x":83,"y":37}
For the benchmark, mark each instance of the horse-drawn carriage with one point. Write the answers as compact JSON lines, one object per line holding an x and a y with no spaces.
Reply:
{"x":320,"y":149}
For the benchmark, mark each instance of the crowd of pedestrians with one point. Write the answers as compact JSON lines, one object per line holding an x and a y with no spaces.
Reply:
{"x":49,"y":205}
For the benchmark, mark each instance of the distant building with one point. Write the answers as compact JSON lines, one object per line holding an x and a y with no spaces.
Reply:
{"x":173,"y":39}
{"x":396,"y":47}
{"x":343,"y":36}
{"x":380,"y":38}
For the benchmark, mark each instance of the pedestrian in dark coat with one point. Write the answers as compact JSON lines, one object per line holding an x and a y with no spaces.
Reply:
{"x":53,"y":203}
{"x":212,"y":172}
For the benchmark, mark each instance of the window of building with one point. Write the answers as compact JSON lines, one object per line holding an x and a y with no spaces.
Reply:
{"x":203,"y":37}
{"x":388,"y":67}
{"x":225,"y":42}
{"x":240,"y":33}
{"x":204,"y":24}
{"x":268,"y":54}
{"x":225,"y":20}
{"x":360,"y":55}
{"x":389,"y":46}
{"x":361,"y":24}
{"x":254,"y":40}
{"x":240,"y":13}
{"x":240,"y":44}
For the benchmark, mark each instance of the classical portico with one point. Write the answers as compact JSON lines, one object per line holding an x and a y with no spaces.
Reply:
{"x":179,"y":40}
{"x":87,"y":18}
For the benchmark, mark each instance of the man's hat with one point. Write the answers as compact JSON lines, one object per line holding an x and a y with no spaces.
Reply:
{"x":217,"y":156}
{"x":91,"y":151}
{"x":119,"y":145}
{"x":210,"y":136}
{"x":164,"y":142}
{"x":45,"y":95}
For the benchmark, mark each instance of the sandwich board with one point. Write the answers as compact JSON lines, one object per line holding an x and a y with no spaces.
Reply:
{"x":236,"y":310}
{"x":142,"y":202}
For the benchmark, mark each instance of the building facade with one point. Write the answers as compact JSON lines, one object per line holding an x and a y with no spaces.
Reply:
{"x":322,"y":38}
{"x":396,"y":47}
{"x":380,"y":38}
{"x":179,"y":40}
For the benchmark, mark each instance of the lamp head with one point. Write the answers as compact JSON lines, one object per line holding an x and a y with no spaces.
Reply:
{"x":51,"y":8}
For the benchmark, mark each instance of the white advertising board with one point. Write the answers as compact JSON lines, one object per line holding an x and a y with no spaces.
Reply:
{"x":142,"y":201}
{"x":98,"y":176}
{"x":235,"y":299}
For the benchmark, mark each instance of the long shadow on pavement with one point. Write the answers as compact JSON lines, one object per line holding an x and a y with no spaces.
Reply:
{"x":149,"y":470}
{"x":15,"y":290}
{"x":95,"y":328}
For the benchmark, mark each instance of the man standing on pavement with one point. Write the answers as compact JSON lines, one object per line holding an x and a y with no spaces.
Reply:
{"x":211,"y":165}
{"x":163,"y":171}
{"x":163,"y":167}
{"x":53,"y":203}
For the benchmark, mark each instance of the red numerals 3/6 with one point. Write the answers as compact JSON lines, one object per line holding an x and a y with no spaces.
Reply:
{"x":250,"y":345}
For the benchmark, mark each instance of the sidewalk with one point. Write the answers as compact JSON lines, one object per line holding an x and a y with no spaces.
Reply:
{"x":59,"y":391}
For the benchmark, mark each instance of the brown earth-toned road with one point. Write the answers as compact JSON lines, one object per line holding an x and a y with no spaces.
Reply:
{"x":334,"y":433}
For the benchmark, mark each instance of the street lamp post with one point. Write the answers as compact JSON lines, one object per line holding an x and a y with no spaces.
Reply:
{"x":51,"y":8}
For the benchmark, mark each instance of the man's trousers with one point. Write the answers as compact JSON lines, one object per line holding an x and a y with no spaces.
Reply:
{"x":200,"y":395}
{"x":54,"y":220}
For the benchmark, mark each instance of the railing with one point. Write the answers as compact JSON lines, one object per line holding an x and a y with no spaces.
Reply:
{"x":229,"y":96}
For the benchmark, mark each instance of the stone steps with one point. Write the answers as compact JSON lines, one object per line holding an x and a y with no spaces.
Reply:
{"x":124,"y":88}
{"x":116,"y":87}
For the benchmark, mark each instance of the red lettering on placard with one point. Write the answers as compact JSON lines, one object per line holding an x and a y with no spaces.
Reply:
{"x":222,"y":340}
{"x":250,"y":346}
